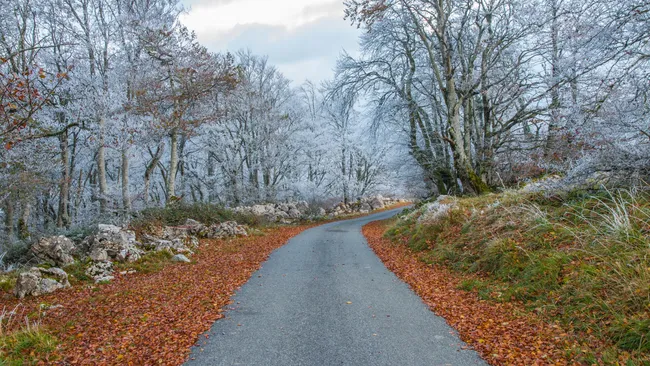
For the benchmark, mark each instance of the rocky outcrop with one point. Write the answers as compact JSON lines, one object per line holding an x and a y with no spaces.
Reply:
{"x":176,"y":245}
{"x":292,"y":212}
{"x":40,"y":281}
{"x":176,"y":239}
{"x":363,"y":205}
{"x":225,"y":230}
{"x":101,"y":271}
{"x":279,"y":212}
{"x":112,"y":243}
{"x":56,"y":250}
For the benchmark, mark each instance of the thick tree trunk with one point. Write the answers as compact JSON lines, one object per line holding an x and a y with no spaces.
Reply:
{"x":63,"y":216}
{"x":471,"y":181}
{"x":126,"y":195}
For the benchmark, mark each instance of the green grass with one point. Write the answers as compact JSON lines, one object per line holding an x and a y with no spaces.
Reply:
{"x":150,"y":262}
{"x":582,"y":258}
{"x":77,"y":272}
{"x":8,"y":281}
{"x":21,"y":345}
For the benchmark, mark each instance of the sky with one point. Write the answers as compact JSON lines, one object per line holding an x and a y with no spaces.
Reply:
{"x":302,"y":38}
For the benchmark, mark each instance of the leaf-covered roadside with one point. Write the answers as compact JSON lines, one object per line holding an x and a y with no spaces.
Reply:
{"x":503,"y":333}
{"x":154,"y":318}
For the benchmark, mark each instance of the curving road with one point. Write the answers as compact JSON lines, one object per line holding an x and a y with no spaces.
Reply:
{"x":326,"y":299}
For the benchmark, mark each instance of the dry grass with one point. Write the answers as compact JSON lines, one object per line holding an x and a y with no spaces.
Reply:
{"x":581,"y":258}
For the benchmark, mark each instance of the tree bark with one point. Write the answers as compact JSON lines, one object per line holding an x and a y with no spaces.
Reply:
{"x":63,"y":216}
{"x":101,"y":168}
{"x":151,"y":167}
{"x":553,"y":125}
{"x":9,"y":218}
{"x":126,"y":195}
{"x":173,"y":166}
{"x":23,"y":222}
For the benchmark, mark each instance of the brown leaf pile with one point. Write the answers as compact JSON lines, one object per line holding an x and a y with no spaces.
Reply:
{"x":153,"y":319}
{"x":503,"y":333}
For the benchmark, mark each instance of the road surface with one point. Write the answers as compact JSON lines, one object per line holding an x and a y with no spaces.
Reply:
{"x":326,"y":299}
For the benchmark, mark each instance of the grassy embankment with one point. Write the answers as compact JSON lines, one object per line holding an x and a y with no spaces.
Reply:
{"x":579,"y":258}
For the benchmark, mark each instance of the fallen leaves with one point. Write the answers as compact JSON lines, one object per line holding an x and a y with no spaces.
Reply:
{"x":149,"y":319}
{"x":503,"y":333}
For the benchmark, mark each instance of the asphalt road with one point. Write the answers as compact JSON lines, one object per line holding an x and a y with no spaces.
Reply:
{"x":326,"y":299}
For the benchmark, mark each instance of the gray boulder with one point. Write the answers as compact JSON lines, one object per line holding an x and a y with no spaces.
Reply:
{"x":180,"y":258}
{"x":302,"y":206}
{"x":101,"y":271}
{"x":376,"y":202}
{"x":40,"y":281}
{"x":195,"y":228}
{"x":226,"y":229}
{"x":294,"y":213}
{"x":56,"y":250}
{"x":112,"y":243}
{"x":177,"y":245}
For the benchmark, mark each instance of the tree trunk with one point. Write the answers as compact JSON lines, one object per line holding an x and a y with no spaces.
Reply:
{"x":553,"y":125}
{"x":471,"y":181}
{"x":63,"y":216}
{"x":23,"y":222}
{"x":151,"y":167}
{"x":173,"y":166}
{"x":9,"y":218}
{"x":101,"y":168}
{"x":126,"y":195}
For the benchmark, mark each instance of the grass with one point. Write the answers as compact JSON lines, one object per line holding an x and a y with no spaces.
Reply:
{"x":20,"y":344}
{"x":8,"y":281}
{"x":150,"y":262}
{"x":582,"y":258}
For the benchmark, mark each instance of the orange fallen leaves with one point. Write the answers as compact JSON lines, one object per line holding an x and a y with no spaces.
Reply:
{"x":153,"y":319}
{"x":503,"y":333}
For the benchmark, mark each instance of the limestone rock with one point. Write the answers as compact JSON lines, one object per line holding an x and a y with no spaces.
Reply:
{"x":113,"y":243}
{"x":56,"y":250}
{"x":180,"y":258}
{"x":101,"y":271}
{"x":226,"y":229}
{"x":376,"y":202}
{"x":177,"y":245}
{"x":40,"y":281}
{"x":294,"y":213}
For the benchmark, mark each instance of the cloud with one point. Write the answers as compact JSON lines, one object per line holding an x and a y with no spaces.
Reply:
{"x":313,"y":47}
{"x":303,"y":41}
{"x":329,"y":9}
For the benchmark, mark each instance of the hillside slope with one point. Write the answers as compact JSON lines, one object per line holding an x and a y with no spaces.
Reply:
{"x":581,"y":259}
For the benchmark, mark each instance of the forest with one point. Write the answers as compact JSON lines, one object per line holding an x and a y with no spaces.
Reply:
{"x":519,"y":129}
{"x":111,"y":106}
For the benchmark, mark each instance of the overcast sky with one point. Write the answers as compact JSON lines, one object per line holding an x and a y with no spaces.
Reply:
{"x":301,"y":37}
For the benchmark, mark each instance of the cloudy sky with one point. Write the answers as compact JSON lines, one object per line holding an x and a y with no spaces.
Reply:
{"x":301,"y":37}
